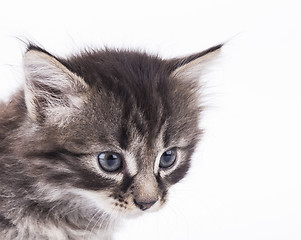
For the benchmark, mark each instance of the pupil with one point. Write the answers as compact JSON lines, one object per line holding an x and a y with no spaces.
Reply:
{"x":167,"y":153}
{"x":167,"y":159}
{"x":112,"y":159}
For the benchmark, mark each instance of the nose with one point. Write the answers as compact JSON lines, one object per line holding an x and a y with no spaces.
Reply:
{"x":145,"y":204}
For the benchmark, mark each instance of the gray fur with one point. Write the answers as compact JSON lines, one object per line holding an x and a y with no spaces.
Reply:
{"x":70,"y":110}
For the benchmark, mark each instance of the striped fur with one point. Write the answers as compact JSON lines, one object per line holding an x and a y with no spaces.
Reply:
{"x":70,"y":110}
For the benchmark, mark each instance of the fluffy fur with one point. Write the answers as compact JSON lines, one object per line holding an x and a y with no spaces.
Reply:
{"x":69,"y":111}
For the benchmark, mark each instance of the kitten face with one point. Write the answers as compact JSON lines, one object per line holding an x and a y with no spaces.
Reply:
{"x":116,"y":128}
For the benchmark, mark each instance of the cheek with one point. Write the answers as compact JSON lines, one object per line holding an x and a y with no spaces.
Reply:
{"x":178,"y":174}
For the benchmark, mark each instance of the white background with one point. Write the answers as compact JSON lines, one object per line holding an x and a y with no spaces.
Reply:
{"x":246,"y":177}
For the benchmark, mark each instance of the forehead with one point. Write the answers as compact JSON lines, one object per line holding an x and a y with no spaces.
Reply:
{"x":134,"y":97}
{"x":142,"y":131}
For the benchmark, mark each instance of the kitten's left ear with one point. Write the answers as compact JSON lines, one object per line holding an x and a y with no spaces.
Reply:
{"x":191,"y":67}
{"x":52,"y":91}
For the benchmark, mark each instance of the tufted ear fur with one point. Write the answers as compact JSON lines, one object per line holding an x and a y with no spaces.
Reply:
{"x":52,"y":92}
{"x":191,"y":67}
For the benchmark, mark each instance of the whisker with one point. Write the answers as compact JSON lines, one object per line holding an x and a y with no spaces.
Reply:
{"x":94,"y":215}
{"x":102,"y":219}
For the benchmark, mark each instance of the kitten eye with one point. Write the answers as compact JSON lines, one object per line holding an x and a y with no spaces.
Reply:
{"x":110,"y":161}
{"x":168,"y":158}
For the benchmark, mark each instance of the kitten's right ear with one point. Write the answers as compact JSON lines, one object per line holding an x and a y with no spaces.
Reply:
{"x":51,"y":90}
{"x":191,"y":67}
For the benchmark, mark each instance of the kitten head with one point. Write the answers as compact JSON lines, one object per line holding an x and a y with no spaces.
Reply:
{"x":116,"y":128}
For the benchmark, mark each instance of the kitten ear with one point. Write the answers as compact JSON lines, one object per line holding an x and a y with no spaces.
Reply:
{"x":51,"y":90}
{"x":191,"y":67}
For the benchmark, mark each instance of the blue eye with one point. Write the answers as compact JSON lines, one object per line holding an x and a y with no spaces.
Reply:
{"x":168,"y":158}
{"x":110,"y":161}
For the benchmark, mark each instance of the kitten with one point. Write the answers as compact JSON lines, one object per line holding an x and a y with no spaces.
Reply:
{"x":96,"y":137}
